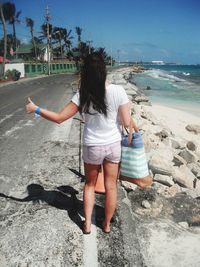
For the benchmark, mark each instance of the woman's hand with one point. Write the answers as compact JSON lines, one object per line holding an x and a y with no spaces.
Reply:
{"x":30,"y":107}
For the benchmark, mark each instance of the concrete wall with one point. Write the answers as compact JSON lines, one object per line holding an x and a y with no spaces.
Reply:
{"x":17,"y":66}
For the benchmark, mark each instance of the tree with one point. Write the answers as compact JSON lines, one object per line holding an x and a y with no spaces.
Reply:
{"x":63,"y":37}
{"x":13,"y":19}
{"x":78,"y":32}
{"x":47,"y":34}
{"x":6,"y":12}
{"x":67,"y":39}
{"x":30,"y":24}
{"x":57,"y":35}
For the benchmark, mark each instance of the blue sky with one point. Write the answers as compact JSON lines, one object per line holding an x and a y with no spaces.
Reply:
{"x":132,"y":29}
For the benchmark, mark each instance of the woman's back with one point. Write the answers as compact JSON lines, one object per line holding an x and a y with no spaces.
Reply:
{"x":100,"y":129}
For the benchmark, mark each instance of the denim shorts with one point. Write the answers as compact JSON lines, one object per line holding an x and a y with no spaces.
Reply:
{"x":97,"y":154}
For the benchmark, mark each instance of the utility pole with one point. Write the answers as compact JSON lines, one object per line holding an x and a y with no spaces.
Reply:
{"x":47,"y":19}
{"x":111,"y":61}
{"x":118,"y":51}
{"x":89,"y":44}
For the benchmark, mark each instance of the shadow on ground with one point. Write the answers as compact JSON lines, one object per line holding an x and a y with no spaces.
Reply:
{"x":64,"y":198}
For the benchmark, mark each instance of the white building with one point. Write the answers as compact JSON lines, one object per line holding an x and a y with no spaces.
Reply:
{"x":159,"y":62}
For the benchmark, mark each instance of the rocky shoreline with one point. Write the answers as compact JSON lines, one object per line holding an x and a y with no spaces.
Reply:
{"x":174,"y":161}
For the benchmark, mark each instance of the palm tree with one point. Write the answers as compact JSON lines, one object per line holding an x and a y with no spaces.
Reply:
{"x":67,"y":39}
{"x":6,"y":12}
{"x":13,"y":20}
{"x":47,"y":34}
{"x":57,"y":35}
{"x":44,"y":31}
{"x":78,"y":32}
{"x":30,"y":24}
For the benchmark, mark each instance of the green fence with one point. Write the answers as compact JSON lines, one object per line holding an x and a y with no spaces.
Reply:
{"x":35,"y":69}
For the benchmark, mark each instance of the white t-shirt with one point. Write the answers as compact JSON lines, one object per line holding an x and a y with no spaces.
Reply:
{"x":99,"y":129}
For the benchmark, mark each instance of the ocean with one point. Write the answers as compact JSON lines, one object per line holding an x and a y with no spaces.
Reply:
{"x":172,"y":85}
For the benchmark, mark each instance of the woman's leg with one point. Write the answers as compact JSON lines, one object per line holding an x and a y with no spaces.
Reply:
{"x":91,"y":174}
{"x":110,"y":178}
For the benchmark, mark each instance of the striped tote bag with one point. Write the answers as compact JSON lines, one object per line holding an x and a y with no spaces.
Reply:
{"x":134,"y":166}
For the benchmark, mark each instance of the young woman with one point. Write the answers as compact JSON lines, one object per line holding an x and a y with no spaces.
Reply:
{"x":105,"y":107}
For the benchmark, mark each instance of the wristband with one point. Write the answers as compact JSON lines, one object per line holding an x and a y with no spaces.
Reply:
{"x":37,"y":111}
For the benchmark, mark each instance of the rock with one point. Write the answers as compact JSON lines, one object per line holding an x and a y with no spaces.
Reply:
{"x":131,"y":92}
{"x":193,"y":128}
{"x":173,"y":190}
{"x":160,"y":188}
{"x":195,"y":169}
{"x":145,"y":204}
{"x":183,"y":176}
{"x":177,"y":143}
{"x":162,"y":134}
{"x":141,"y":98}
{"x":148,"y":87}
{"x":184,"y":224}
{"x":197,"y":185}
{"x":188,"y":155}
{"x":146,"y":103}
{"x":165,"y":152}
{"x":194,"y":193}
{"x":178,"y":160}
{"x":191,"y":146}
{"x":160,"y":165}
{"x":128,"y":186}
{"x":163,"y":179}
{"x":195,"y":220}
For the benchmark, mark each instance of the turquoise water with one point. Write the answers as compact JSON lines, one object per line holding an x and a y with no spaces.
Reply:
{"x":172,"y":85}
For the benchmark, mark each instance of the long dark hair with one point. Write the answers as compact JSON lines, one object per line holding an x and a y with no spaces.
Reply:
{"x":92,"y":84}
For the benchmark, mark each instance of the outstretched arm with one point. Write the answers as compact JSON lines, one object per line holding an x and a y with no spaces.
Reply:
{"x":66,"y":113}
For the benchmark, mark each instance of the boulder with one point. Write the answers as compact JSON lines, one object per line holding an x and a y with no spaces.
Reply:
{"x":195,"y":169}
{"x":178,"y":160}
{"x":191,"y":146}
{"x":141,"y":98}
{"x":160,"y":165}
{"x":188,"y":156}
{"x":183,"y":176}
{"x":176,"y":144}
{"x":193,"y":128}
{"x":173,"y":190}
{"x":128,"y":186}
{"x":162,"y":134}
{"x":163,"y":179}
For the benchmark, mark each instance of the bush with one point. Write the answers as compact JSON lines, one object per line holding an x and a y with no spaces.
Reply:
{"x":13,"y":74}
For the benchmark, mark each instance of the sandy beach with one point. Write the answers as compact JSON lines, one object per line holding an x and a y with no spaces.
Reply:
{"x":176,"y":120}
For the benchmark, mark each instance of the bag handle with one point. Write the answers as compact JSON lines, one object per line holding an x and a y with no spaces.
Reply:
{"x":132,"y":126}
